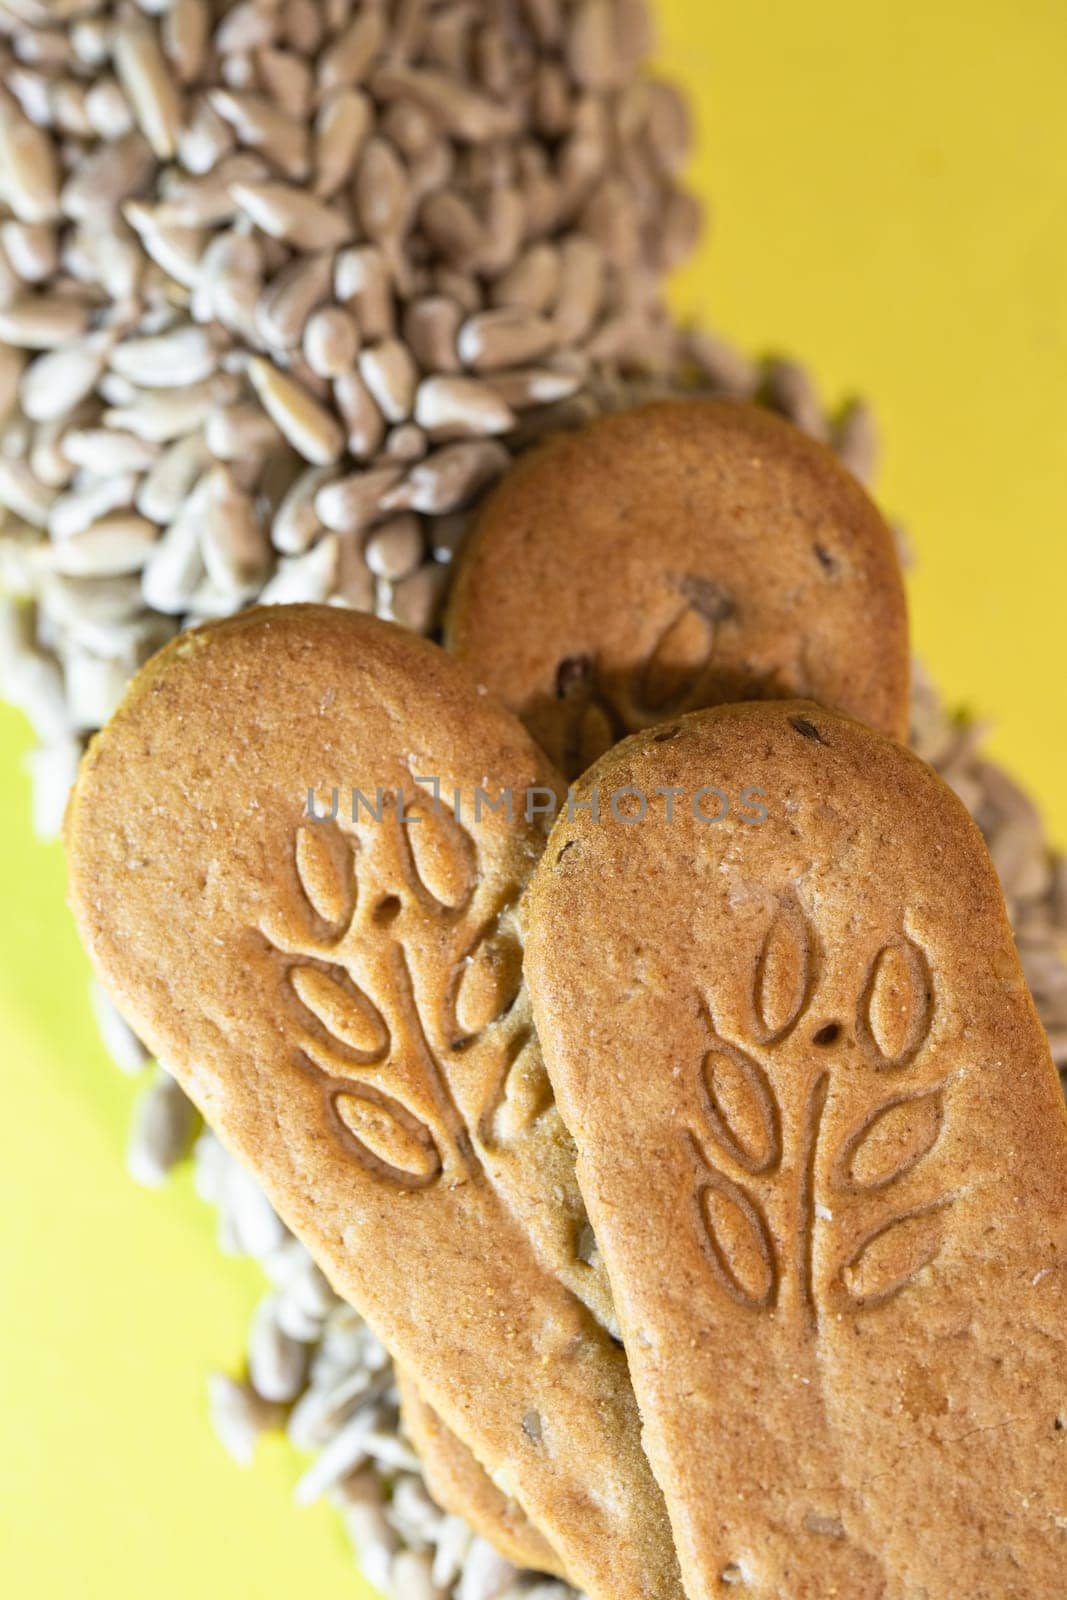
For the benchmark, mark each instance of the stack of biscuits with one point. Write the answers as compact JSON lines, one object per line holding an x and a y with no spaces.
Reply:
{"x":628,"y":1024}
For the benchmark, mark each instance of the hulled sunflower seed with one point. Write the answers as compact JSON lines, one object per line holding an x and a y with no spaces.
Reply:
{"x":362,"y":282}
{"x":170,"y":480}
{"x":461,"y":408}
{"x":290,"y":214}
{"x":449,"y":478}
{"x":331,"y":341}
{"x":162,"y":1129}
{"x":260,"y":124}
{"x":29,"y":170}
{"x":52,"y":770}
{"x":354,"y":502}
{"x":287,"y":302}
{"x":507,"y":337}
{"x":391,"y":375}
{"x":310,"y":428}
{"x":108,"y":549}
{"x":239,"y":1416}
{"x":348,"y":59}
{"x":142,"y":71}
{"x":341,"y":128}
{"x":395,"y":548}
{"x":166,"y":360}
{"x":311,"y":577}
{"x":43,"y":321}
{"x":362,"y":417}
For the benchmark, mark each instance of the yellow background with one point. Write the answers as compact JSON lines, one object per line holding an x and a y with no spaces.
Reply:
{"x":889,"y":204}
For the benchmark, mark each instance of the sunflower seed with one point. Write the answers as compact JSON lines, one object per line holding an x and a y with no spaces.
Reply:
{"x":362,"y":283}
{"x":449,"y":478}
{"x":185,"y":27}
{"x":258,"y":123}
{"x":395,"y":548}
{"x":856,"y":441}
{"x":382,"y":195}
{"x":486,"y":1575}
{"x":460,"y":111}
{"x":431,"y":327}
{"x":31,"y":248}
{"x":507,"y":337}
{"x":310,"y":428}
{"x":346,"y":1451}
{"x":108,"y":549}
{"x":289,"y":214}
{"x":29,"y":170}
{"x":287,"y":78}
{"x":22,"y":493}
{"x":461,"y":408}
{"x":173,"y":246}
{"x":309,"y":577}
{"x":52,"y":770}
{"x":331,"y":342}
{"x":289,"y":299}
{"x":390,"y":373}
{"x":162,"y":1128}
{"x":412,"y":1576}
{"x":348,"y":58}
{"x":43,"y":321}
{"x":167,"y":360}
{"x":354,"y":502}
{"x":172,"y":477}
{"x":341,"y":128}
{"x":277,"y":1364}
{"x":142,"y":71}
{"x":175,"y":566}
{"x":239,"y":1416}
{"x":162,"y":415}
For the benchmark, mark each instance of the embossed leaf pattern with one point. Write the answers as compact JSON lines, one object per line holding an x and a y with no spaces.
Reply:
{"x":750,"y":1131}
{"x":488,"y":981}
{"x":343,"y":1009}
{"x":894,"y":1255}
{"x":889,"y":1143}
{"x":325,"y":865}
{"x":387,"y":1138}
{"x":669,"y":677}
{"x":738,"y":1244}
{"x":785,"y":973}
{"x":896,"y":1010}
{"x":442,"y":853}
{"x":740,"y":1109}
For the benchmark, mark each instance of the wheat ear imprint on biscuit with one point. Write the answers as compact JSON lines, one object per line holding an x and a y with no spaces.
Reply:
{"x":674,"y":677}
{"x":756,"y":1156}
{"x":370,"y":1051}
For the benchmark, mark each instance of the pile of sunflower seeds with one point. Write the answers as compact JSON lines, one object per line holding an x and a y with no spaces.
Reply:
{"x":283,"y":285}
{"x":313,"y":1367}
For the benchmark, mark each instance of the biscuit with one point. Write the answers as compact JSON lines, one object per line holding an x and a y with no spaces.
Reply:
{"x":337,"y":997}
{"x":464,"y":1489}
{"x":679,"y":555}
{"x":824,"y":1151}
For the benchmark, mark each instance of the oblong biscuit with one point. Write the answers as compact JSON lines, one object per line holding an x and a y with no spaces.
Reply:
{"x":338,"y":998}
{"x":824,"y":1151}
{"x":679,"y":555}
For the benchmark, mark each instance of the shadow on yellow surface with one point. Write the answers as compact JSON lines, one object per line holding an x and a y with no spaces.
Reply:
{"x":887,"y":207}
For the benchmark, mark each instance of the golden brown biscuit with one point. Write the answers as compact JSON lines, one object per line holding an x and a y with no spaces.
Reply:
{"x":825,"y":1154}
{"x":676,"y":556}
{"x":337,"y":997}
{"x":463,"y":1488}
